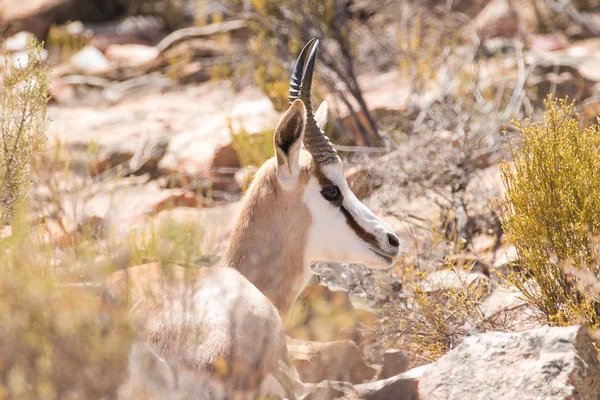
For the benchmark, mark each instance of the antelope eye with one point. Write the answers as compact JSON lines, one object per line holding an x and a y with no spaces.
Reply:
{"x":331,"y":193}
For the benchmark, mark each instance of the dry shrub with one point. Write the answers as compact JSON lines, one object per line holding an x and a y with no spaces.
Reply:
{"x":253,"y":149}
{"x":23,"y":99}
{"x":551,"y":211}
{"x":55,"y":342}
{"x":438,"y":314}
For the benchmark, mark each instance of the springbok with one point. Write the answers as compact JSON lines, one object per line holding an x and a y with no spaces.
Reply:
{"x":298,"y":209}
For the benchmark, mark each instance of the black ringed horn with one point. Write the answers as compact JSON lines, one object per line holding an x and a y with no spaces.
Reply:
{"x":297,"y":75}
{"x":315,"y":140}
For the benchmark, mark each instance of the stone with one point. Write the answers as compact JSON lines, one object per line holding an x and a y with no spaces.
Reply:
{"x":498,"y":19}
{"x":583,"y":56}
{"x":362,"y":181}
{"x":451,"y":278}
{"x":205,"y":147}
{"x":505,"y":255}
{"x":219,"y":221}
{"x":131,"y":55}
{"x":397,"y":362}
{"x":367,"y":287}
{"x":119,"y":204}
{"x":190,"y":129}
{"x":89,"y":60}
{"x":394,"y":362}
{"x":61,"y":92}
{"x":20,"y":59}
{"x":328,"y":314}
{"x":545,"y":363}
{"x":339,"y":361}
{"x":399,"y":387}
{"x":18,"y":42}
{"x":548,"y":42}
{"x":35,"y":16}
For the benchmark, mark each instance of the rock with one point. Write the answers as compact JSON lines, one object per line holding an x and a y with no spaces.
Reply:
{"x":89,"y":60}
{"x":582,"y":56}
{"x":119,"y":204}
{"x":329,"y":390}
{"x":367,"y":287}
{"x":36,"y":16}
{"x":190,"y":127}
{"x":201,"y":149}
{"x":219,"y":221}
{"x":450,"y":278}
{"x":362,"y":181}
{"x":319,"y":361}
{"x":548,"y":42}
{"x":545,"y":363}
{"x":61,"y":92}
{"x":133,"y":29}
{"x":327,"y":314}
{"x":18,"y":42}
{"x":483,"y":243}
{"x":131,"y":55}
{"x":505,"y":255}
{"x":20,"y":59}
{"x":499,"y":18}
{"x":394,"y":362}
{"x":399,"y":387}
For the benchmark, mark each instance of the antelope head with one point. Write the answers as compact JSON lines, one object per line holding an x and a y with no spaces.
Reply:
{"x":342,"y":228}
{"x":299,"y":207}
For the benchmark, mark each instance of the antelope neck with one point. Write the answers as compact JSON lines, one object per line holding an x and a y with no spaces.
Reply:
{"x":269,"y":241}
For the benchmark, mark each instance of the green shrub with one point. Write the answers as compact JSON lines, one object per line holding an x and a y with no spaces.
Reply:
{"x":23,"y":100}
{"x":56,"y":342}
{"x":253,"y":149}
{"x":437,"y":315}
{"x":552,"y":212}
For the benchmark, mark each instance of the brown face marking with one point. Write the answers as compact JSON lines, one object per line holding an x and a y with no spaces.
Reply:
{"x":324,"y":181}
{"x":358,"y":229}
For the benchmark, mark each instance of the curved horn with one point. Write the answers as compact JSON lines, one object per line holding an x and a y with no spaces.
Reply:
{"x":315,"y":140}
{"x":296,"y":81}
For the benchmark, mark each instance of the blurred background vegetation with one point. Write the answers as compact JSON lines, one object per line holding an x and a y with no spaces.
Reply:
{"x":129,"y":130}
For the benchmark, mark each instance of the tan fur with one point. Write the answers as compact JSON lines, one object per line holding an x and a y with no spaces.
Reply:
{"x":200,"y":324}
{"x":269,"y":239}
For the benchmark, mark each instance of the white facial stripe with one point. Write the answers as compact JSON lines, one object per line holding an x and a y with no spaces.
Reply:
{"x":331,"y":238}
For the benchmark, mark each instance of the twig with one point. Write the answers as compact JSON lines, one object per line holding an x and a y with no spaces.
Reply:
{"x":360,"y":149}
{"x":199,"y":32}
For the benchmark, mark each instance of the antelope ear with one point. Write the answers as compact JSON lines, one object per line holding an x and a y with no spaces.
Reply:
{"x":321,"y":116}
{"x":288,"y":140}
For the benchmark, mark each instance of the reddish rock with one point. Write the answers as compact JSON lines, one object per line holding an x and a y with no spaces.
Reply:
{"x":550,"y":42}
{"x":130,"y":54}
{"x":396,"y":362}
{"x":340,"y":360}
{"x":499,"y":18}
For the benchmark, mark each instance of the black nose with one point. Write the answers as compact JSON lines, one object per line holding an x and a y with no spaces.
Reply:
{"x":393,"y":240}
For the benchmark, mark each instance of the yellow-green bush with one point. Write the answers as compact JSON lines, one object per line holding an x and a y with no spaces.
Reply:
{"x":437,"y":315}
{"x":56,"y":342}
{"x":552,"y":211}
{"x":253,"y":149}
{"x":23,"y":99}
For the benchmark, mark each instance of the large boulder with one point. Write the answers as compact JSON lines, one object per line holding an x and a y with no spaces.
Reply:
{"x":545,"y":363}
